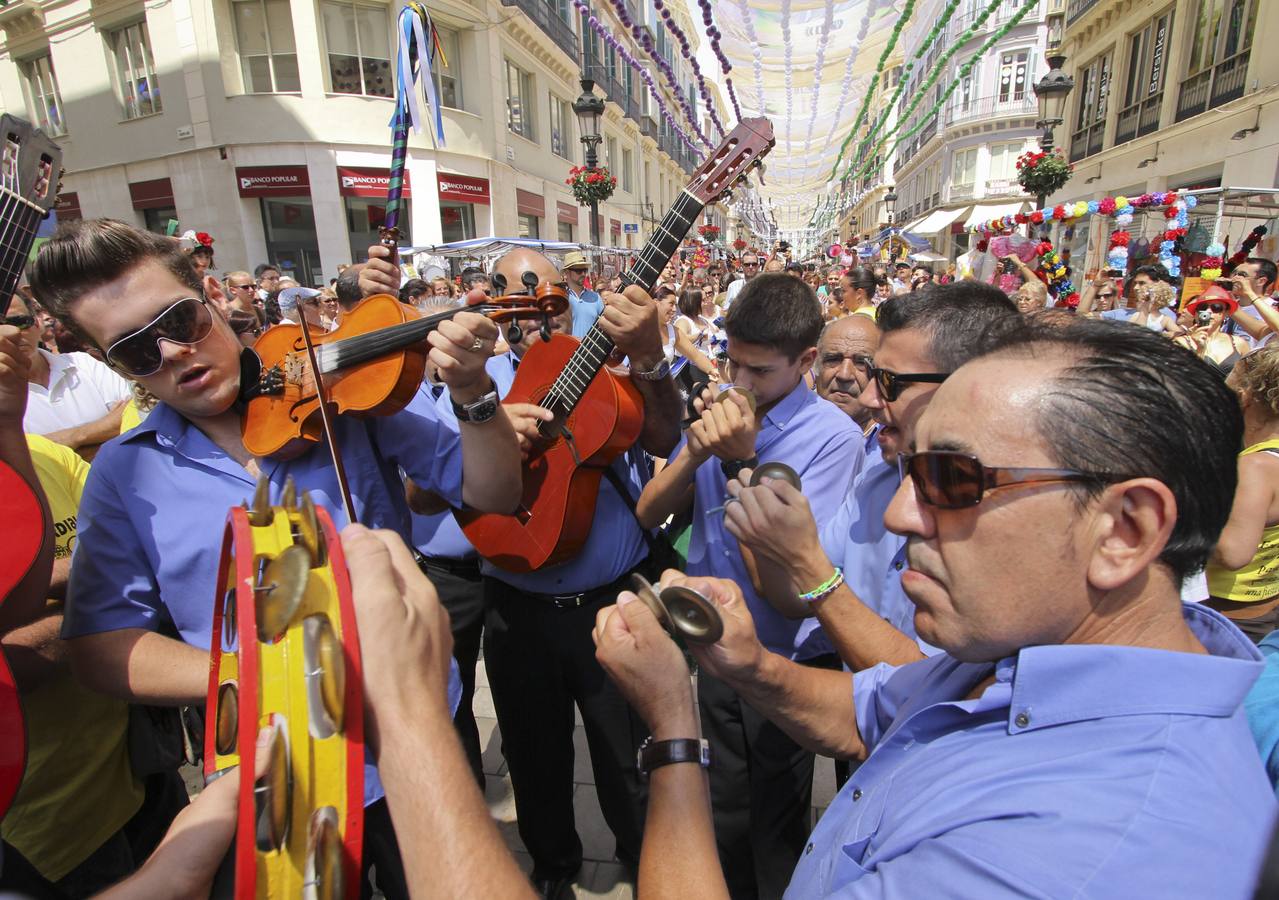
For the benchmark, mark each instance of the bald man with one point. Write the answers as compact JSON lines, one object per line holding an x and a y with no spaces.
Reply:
{"x":840,"y":377}
{"x":538,"y":650}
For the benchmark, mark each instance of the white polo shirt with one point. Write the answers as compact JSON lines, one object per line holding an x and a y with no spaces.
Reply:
{"x":80,"y":390}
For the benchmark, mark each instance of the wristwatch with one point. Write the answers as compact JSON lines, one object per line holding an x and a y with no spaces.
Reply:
{"x":655,"y":754}
{"x":479,"y":410}
{"x":658,"y":373}
{"x":733,"y":467}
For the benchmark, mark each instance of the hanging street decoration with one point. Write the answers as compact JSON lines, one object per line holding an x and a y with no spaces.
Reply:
{"x":590,"y":185}
{"x":712,"y":32}
{"x":1053,"y":272}
{"x":1245,"y":249}
{"x":1043,"y":173}
{"x":685,"y":49}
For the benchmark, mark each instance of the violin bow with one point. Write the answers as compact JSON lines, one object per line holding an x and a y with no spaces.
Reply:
{"x":326,"y":422}
{"x":419,"y":43}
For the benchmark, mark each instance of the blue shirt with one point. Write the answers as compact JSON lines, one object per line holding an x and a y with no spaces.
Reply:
{"x":820,"y":442}
{"x":872,"y":557}
{"x":1127,"y":312}
{"x":1081,"y":771}
{"x":439,"y":535}
{"x":587,"y":307}
{"x":1263,"y":708}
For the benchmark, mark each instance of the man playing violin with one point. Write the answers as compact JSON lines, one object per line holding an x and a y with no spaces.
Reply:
{"x":139,"y":607}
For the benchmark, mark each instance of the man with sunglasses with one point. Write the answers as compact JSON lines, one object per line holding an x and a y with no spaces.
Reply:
{"x":867,"y":615}
{"x":73,"y":399}
{"x":761,"y":786}
{"x":1061,"y":487}
{"x":139,"y":615}
{"x":750,"y":268}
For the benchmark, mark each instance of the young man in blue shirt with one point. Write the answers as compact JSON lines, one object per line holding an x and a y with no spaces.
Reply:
{"x":762,"y":782}
{"x":1061,"y":486}
{"x":587,"y":305}
{"x":140,"y":603}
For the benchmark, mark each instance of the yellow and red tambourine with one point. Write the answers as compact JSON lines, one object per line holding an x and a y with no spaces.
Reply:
{"x":285,"y":655}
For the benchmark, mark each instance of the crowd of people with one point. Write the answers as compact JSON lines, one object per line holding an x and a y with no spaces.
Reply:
{"x":1024,"y":582}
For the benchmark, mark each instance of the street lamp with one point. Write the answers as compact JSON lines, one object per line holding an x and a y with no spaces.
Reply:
{"x":890,"y":206}
{"x":1052,"y":91}
{"x":589,"y":110}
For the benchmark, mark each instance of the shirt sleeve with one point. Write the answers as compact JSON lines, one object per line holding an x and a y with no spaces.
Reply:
{"x":833,"y":533}
{"x":112,"y":584}
{"x":426,"y":445}
{"x":873,"y":705}
{"x":828,"y":477}
{"x":113,"y":387}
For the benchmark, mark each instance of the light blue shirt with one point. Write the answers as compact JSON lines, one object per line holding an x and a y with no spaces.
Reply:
{"x":872,"y":557}
{"x":1081,"y":771}
{"x":156,"y":501}
{"x":820,"y":442}
{"x":439,"y":535}
{"x":1263,"y":708}
{"x":587,"y":307}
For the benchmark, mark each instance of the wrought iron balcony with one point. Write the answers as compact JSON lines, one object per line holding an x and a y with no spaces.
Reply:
{"x":991,"y":108}
{"x":1212,"y":87}
{"x":1139,"y":119}
{"x":547,"y":17}
{"x":963,"y":191}
{"x":1077,"y":8}
{"x":1087,"y":141}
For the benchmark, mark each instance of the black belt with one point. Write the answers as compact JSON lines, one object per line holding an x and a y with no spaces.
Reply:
{"x":586,"y":598}
{"x":465,"y":568}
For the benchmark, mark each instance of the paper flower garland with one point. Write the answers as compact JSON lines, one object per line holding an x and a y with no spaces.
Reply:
{"x":1240,"y":256}
{"x":1053,"y":271}
{"x":1211,"y":266}
{"x":713,"y":32}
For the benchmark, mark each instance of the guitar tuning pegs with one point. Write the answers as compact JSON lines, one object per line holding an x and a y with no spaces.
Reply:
{"x":514,"y":333}
{"x":530,"y":281}
{"x":498,"y":280}
{"x":545,"y":330}
{"x":289,"y":498}
{"x":260,"y":513}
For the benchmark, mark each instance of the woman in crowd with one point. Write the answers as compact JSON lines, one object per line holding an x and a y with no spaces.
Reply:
{"x":1151,"y":301}
{"x":1210,"y":309}
{"x":442,"y":289}
{"x":858,"y":297}
{"x":1243,"y":573}
{"x":1100,"y":295}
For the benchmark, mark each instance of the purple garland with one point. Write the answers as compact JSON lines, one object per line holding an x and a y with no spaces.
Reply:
{"x":713,"y":32}
{"x":645,"y":40}
{"x":631,"y":61}
{"x":685,"y":50}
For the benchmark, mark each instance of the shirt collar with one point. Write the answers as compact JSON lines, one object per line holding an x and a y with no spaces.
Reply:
{"x":786,"y":408}
{"x":1063,"y":683}
{"x":60,"y":365}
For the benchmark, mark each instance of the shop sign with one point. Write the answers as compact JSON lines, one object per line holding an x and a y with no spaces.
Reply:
{"x":372,"y":183}
{"x":273,"y":181}
{"x":463,"y":188}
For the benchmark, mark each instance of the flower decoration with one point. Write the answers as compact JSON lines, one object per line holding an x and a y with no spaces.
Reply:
{"x":1037,"y":217}
{"x":1043,"y":173}
{"x":1117,"y":257}
{"x":709,"y":232}
{"x":1106,"y":206}
{"x":590,"y":185}
{"x":1245,"y":249}
{"x":983,"y":245}
{"x":204,"y":239}
{"x":739,"y":245}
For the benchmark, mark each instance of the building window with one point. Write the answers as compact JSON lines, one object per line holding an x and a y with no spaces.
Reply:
{"x":457,"y":222}
{"x":42,"y":94}
{"x":161,"y":220}
{"x":1003,"y":162}
{"x":359,"y":43}
{"x":529,"y":227}
{"x":519,"y":101}
{"x":964,"y":167}
{"x":566,"y":231}
{"x":628,"y":166}
{"x":561,"y":129}
{"x":1148,"y":59}
{"x":448,"y":82}
{"x":1222,"y":28}
{"x":135,"y":70}
{"x":610,"y":155}
{"x":1013,"y":71}
{"x":1093,"y":88}
{"x":268,"y":56}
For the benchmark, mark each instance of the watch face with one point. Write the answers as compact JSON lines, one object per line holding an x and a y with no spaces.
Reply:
{"x":483,"y":409}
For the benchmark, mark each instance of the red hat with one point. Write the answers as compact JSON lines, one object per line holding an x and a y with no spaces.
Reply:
{"x":1215,"y":294}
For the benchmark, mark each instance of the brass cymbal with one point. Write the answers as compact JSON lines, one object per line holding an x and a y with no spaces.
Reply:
{"x":778,"y":470}
{"x":693,"y":616}
{"x":308,"y":530}
{"x":735,"y":389}
{"x":323,"y":873}
{"x":644,"y":590}
{"x":273,"y":794}
{"x":279,"y":591}
{"x":326,"y":668}
{"x":228,"y":723}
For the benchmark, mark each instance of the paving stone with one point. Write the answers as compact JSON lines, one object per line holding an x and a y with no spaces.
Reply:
{"x":482,"y":703}
{"x":597,"y":841}
{"x":583,"y":773}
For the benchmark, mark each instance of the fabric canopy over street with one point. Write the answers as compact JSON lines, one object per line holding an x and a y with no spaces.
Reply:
{"x":492,"y":246}
{"x":987,"y":211}
{"x":937,"y":221}
{"x":911,"y":240}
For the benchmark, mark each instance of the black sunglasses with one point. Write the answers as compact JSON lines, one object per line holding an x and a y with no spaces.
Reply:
{"x":22,"y":323}
{"x":947,"y":479}
{"x":891,"y":384}
{"x":188,"y":321}
{"x":242,"y":287}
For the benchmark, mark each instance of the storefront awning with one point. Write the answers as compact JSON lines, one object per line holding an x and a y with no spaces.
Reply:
{"x":984,"y":212}
{"x":937,"y":221}
{"x":913,"y":225}
{"x":156,"y":194}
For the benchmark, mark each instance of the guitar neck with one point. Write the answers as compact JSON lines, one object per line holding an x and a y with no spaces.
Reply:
{"x":596,"y":346}
{"x":21,"y":219}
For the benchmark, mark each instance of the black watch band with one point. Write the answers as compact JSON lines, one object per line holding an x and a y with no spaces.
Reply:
{"x":655,"y":754}
{"x":731,"y":467}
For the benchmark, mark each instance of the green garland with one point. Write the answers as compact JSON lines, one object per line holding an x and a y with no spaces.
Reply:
{"x":907,"y":12}
{"x":964,"y":70}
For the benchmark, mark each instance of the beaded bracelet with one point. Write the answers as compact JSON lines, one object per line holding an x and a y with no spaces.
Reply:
{"x":825,"y":589}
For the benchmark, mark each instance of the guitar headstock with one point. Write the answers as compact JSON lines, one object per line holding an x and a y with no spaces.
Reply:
{"x":30,"y":163}
{"x":743,"y":149}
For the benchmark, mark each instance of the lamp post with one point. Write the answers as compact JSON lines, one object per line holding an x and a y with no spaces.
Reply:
{"x":890,"y":206}
{"x":1052,"y":91}
{"x":589,"y":110}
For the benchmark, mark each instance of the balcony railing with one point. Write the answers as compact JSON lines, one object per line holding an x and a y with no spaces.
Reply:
{"x":1077,"y":8}
{"x":1006,"y":11}
{"x":1139,"y":119}
{"x":993,"y":107}
{"x":1087,"y":141}
{"x":546,"y":17}
{"x":1212,"y":87}
{"x":1002,"y":187}
{"x":962,"y":191}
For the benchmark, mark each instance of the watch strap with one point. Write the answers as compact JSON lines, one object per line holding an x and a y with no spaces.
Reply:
{"x":732,"y":467}
{"x":463,"y":410}
{"x":655,"y":754}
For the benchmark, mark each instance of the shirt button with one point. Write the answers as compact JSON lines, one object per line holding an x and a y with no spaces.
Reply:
{"x":808,"y":849}
{"x":897,"y":565}
{"x":1022,"y":720}
{"x":857,"y":794}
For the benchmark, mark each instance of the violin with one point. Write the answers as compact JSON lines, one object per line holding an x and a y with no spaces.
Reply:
{"x":372,"y":365}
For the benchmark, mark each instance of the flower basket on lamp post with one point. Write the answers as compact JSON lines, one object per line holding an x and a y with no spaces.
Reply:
{"x":709,"y":233}
{"x":590,"y":185}
{"x":1042,"y":172}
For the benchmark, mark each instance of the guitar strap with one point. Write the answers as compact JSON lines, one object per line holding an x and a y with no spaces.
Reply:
{"x":661,"y":552}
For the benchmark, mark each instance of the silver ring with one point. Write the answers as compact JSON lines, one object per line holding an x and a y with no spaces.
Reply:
{"x":729,"y":500}
{"x":477,"y":346}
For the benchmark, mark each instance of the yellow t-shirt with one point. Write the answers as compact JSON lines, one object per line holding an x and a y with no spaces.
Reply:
{"x":1259,"y":579}
{"x":130,"y":418}
{"x":870,"y":311}
{"x":78,"y":788}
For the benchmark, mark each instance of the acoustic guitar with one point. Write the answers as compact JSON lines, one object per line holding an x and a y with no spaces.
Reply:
{"x":29,"y":167}
{"x":598,"y":415}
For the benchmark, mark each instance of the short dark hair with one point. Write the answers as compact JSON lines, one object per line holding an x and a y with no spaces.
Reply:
{"x":690,"y":303}
{"x":84,"y":254}
{"x":412,"y":288}
{"x":1154,"y":273}
{"x":776,"y":310}
{"x":472,"y":274}
{"x":348,"y":287}
{"x":1131,"y":403}
{"x":861,"y":277}
{"x":954,"y":316}
{"x":1265,"y":268}
{"x":264,"y":267}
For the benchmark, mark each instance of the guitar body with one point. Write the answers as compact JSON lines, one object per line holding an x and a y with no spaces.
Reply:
{"x":20,"y":543}
{"x":561,"y":482}
{"x":283,"y":419}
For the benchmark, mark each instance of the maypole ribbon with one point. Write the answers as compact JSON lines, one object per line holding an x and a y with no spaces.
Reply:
{"x":418,"y":46}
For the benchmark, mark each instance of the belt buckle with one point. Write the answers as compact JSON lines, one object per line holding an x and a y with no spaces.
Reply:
{"x":569,"y":601}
